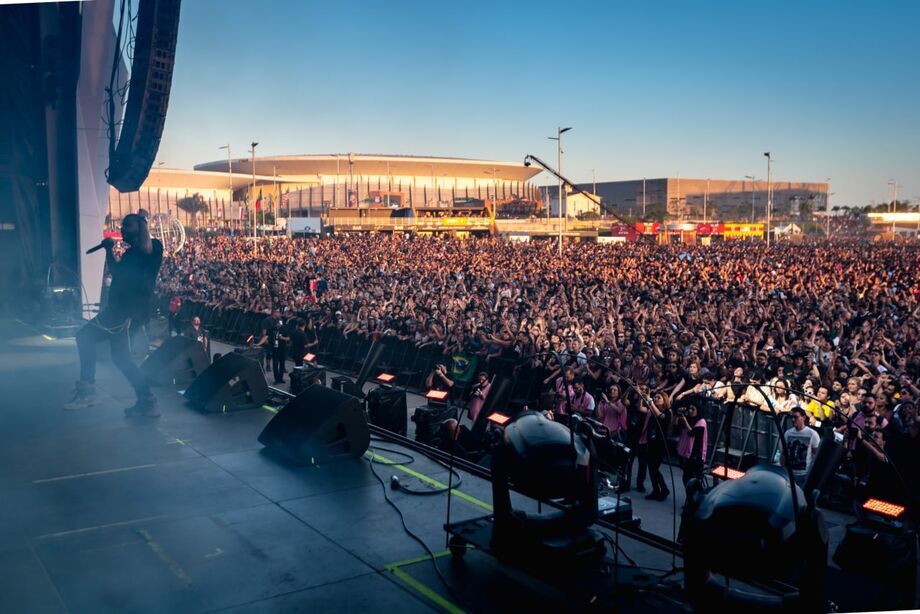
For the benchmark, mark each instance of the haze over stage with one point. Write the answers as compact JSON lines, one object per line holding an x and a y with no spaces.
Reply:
{"x":187,"y":513}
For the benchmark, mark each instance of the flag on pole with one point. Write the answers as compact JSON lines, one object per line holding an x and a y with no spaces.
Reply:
{"x":259,"y":201}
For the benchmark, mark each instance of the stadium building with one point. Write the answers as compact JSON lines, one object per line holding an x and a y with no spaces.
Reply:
{"x":338,"y":186}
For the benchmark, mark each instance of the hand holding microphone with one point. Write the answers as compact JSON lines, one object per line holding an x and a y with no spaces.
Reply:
{"x":107,"y":244}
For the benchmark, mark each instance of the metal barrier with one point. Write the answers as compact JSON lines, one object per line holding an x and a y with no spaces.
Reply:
{"x":738,"y":433}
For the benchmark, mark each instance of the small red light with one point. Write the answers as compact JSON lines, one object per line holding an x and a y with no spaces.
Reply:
{"x":436,"y":395}
{"x":499,"y":419}
{"x":892,"y":510}
{"x":726,"y":472}
{"x":386,"y":377}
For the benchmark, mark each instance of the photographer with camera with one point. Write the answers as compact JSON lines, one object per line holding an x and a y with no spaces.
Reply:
{"x":478,"y":394}
{"x":438,"y":379}
{"x":693,"y":441}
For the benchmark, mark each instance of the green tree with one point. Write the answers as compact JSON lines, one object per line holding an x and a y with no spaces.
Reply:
{"x":193,"y":205}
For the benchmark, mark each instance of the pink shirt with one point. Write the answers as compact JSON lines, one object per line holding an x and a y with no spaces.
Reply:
{"x":685,"y":442}
{"x":613,"y":415}
{"x":561,"y":398}
{"x":583,"y":404}
{"x":477,"y":400}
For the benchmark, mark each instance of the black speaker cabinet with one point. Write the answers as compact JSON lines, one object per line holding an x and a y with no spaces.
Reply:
{"x":428,"y":419}
{"x":179,"y":360}
{"x":305,"y":376}
{"x":386,"y":408}
{"x":320,"y":425}
{"x":342,"y":383}
{"x":234,"y":382}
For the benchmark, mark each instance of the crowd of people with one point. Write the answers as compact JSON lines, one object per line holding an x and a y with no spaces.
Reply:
{"x":641,"y":331}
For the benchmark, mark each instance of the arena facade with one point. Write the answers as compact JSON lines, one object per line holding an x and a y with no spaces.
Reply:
{"x":736,"y":200}
{"x":308,"y":185}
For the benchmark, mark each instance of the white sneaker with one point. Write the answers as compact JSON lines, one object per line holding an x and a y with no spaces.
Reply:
{"x":84,"y":396}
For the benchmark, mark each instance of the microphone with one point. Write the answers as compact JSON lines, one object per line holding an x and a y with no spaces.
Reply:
{"x":101,"y":245}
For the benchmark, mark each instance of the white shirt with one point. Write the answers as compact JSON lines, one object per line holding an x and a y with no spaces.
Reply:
{"x":803,"y":445}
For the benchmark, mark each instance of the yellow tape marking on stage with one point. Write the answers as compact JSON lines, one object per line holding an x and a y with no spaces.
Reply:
{"x":431,"y":481}
{"x":48,"y":337}
{"x":418,"y":559}
{"x":446,"y":605}
{"x":270,"y":408}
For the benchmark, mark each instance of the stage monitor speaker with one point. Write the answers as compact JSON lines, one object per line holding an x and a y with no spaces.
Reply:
{"x":178,"y":360}
{"x":320,"y":425}
{"x":305,"y":376}
{"x":234,"y":382}
{"x":428,"y":420}
{"x":386,"y":408}
{"x":343,"y":383}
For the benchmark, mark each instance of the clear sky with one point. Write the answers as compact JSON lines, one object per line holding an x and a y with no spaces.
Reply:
{"x":650,"y":88}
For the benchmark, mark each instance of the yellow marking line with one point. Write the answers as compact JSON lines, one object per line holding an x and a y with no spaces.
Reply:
{"x":170,"y":562}
{"x":90,"y":474}
{"x":101,"y":526}
{"x":418,"y":559}
{"x":270,"y":408}
{"x":48,"y":337}
{"x":431,"y":481}
{"x":445,"y":605}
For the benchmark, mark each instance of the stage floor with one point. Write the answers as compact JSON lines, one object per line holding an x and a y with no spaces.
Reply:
{"x":187,"y":513}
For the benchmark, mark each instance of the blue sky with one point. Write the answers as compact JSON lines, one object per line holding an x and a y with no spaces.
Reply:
{"x":651,"y":89}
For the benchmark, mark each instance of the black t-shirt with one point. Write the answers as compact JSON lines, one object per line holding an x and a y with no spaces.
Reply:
{"x":133,"y":281}
{"x":273,"y":328}
{"x":298,"y":344}
{"x":200,"y":335}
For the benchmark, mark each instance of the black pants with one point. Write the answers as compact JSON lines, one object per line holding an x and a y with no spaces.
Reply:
{"x":655,"y":458}
{"x":106,"y":328}
{"x":693,"y":469}
{"x":641,"y":454}
{"x":278,"y":357}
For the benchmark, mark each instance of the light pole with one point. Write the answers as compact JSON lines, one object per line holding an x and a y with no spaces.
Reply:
{"x":893,"y":208}
{"x":558,"y":139}
{"x":751,"y":177}
{"x":769,"y":157}
{"x":705,"y":200}
{"x":254,"y":219}
{"x":229,"y":173}
{"x":643,"y":199}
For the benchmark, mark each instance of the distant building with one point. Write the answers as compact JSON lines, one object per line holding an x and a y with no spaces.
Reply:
{"x":708,"y":199}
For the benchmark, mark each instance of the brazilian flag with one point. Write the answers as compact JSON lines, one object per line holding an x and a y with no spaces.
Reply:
{"x":463,"y":367}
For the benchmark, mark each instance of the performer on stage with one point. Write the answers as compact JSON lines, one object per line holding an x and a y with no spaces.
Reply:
{"x":133,"y":279}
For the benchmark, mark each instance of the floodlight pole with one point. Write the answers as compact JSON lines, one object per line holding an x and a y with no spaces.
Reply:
{"x":229,"y":174}
{"x":769,"y":157}
{"x":558,"y":138}
{"x":254,"y":218}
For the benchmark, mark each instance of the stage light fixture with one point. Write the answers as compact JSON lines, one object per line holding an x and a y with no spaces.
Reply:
{"x":727,"y":473}
{"x":386,"y":378}
{"x":891,"y":510}
{"x":499,"y":419}
{"x":436,"y":395}
{"x":309,"y":357}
